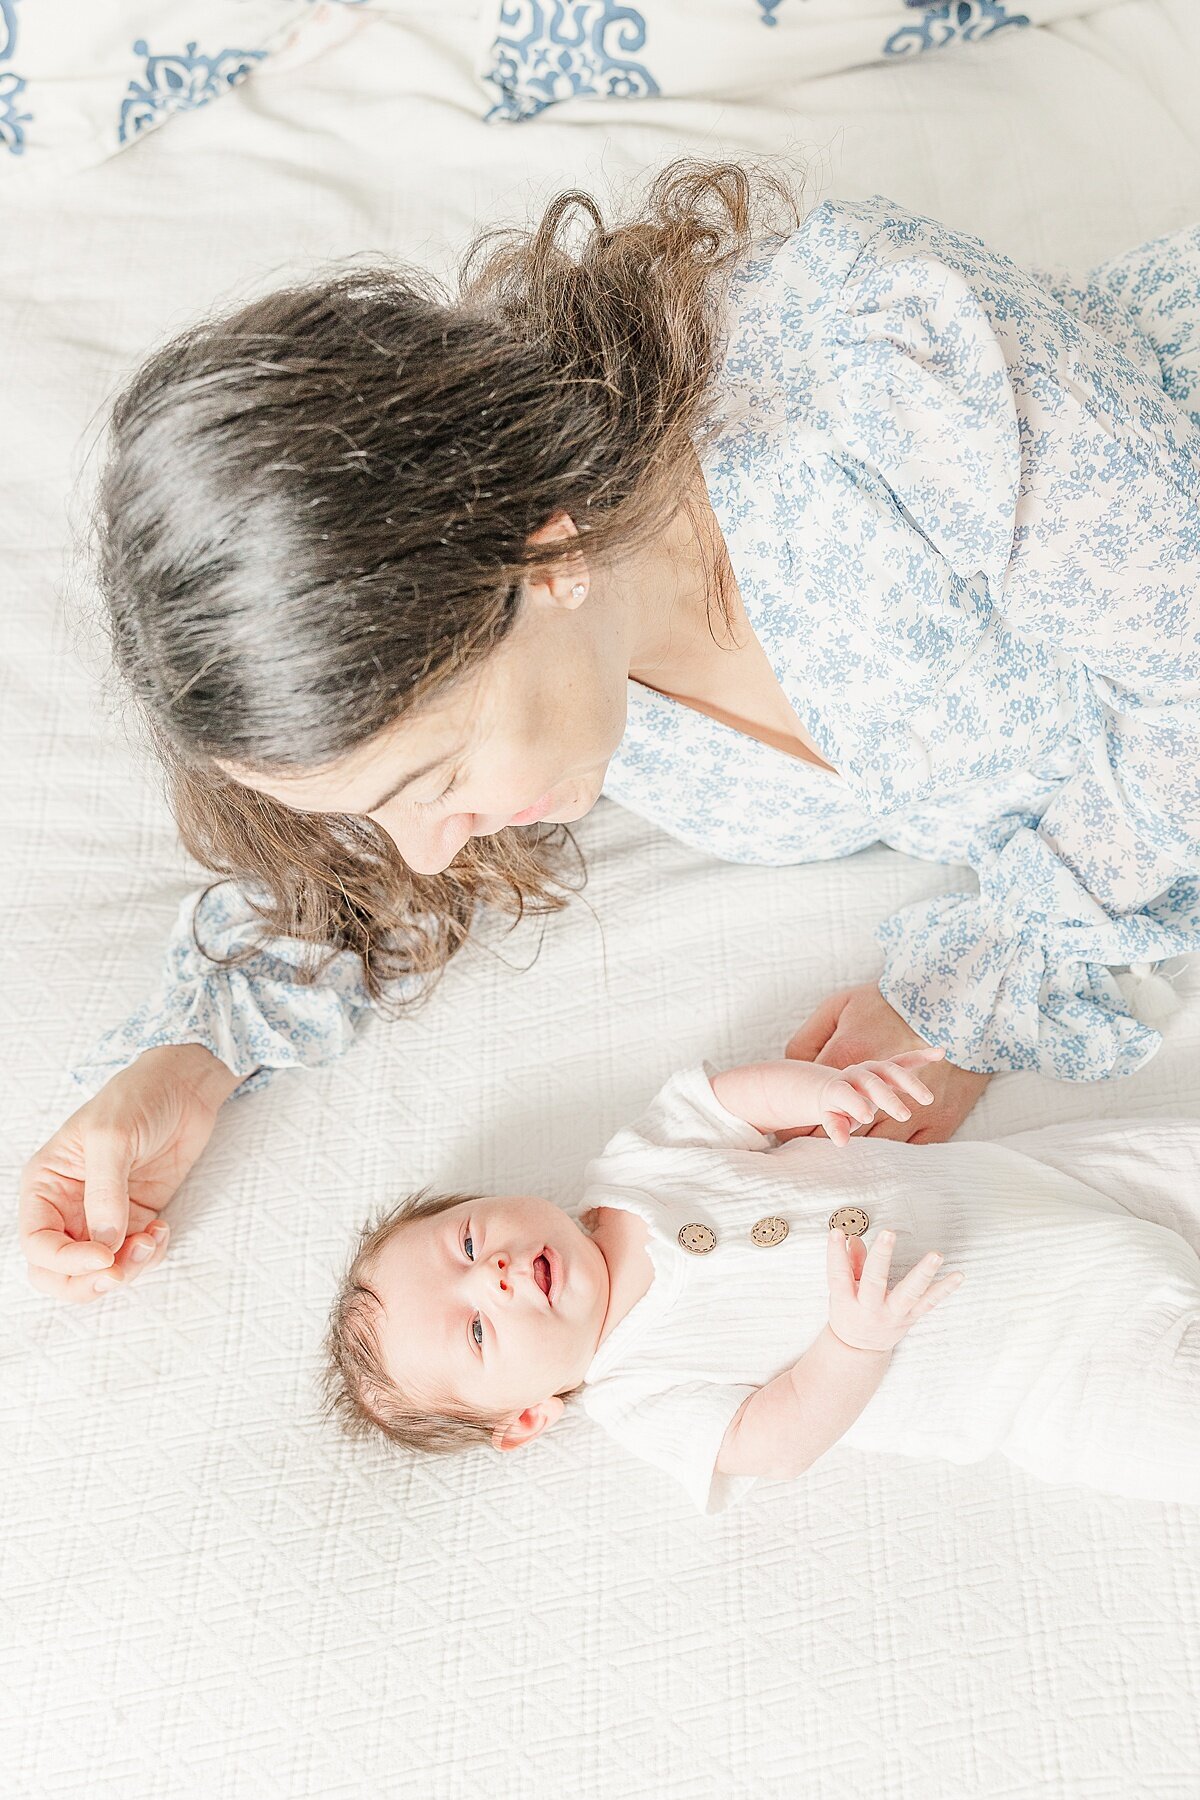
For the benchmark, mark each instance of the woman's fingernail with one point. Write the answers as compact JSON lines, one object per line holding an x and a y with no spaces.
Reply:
{"x":141,"y":1253}
{"x":104,"y":1284}
{"x":108,"y":1235}
{"x":158,"y":1230}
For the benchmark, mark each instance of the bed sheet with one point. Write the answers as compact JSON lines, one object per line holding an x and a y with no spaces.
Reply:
{"x":204,"y":1592}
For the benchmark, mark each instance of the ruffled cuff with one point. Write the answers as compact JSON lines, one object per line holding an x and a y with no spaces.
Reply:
{"x":996,"y":1002}
{"x":1020,"y":975}
{"x":256,"y":1017}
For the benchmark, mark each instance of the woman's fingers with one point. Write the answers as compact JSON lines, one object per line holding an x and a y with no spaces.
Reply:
{"x":57,"y":1254}
{"x":47,"y":1203}
{"x":142,"y":1251}
{"x":108,"y":1159}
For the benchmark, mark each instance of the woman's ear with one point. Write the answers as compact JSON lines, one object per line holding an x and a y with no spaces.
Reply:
{"x":529,"y":1424}
{"x":563,"y":580}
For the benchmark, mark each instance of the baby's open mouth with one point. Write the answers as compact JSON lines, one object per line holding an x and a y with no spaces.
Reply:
{"x":541,"y":1273}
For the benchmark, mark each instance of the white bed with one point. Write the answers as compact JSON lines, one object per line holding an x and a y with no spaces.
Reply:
{"x":203,"y":1591}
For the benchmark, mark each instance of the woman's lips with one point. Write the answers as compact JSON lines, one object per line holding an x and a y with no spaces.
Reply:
{"x":535,"y":811}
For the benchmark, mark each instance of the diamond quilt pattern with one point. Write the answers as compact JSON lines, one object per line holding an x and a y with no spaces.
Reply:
{"x":204,"y":1592}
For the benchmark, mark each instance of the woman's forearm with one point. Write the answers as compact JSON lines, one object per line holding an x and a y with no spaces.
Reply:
{"x":791,"y":1422}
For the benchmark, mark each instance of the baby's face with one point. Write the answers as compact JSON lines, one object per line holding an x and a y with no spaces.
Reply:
{"x":494,"y":1305}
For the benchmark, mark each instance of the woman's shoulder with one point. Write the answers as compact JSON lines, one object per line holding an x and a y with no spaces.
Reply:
{"x":794,"y":280}
{"x":788,"y":298}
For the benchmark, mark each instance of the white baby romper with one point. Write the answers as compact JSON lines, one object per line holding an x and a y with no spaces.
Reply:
{"x":1073,"y":1346}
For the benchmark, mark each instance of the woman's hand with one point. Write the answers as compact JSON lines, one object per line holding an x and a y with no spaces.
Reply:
{"x":858,"y":1025}
{"x":862,"y":1313}
{"x":91,"y":1196}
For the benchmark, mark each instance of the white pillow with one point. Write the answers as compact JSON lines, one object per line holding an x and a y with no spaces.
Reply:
{"x":537,"y":52}
{"x":80,"y":79}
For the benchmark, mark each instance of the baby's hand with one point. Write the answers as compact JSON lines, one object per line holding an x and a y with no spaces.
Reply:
{"x":855,"y":1094}
{"x":861,"y":1311}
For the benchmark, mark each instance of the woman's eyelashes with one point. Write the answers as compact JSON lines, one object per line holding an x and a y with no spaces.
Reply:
{"x":428,"y":805}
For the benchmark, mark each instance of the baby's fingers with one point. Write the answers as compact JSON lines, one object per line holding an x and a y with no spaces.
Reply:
{"x":878,"y":1087}
{"x":872,"y":1283}
{"x":839,"y":1271}
{"x":844,"y":1097}
{"x":909,"y":1290}
{"x":937,"y":1293}
{"x":915,"y":1059}
{"x":897,"y":1076}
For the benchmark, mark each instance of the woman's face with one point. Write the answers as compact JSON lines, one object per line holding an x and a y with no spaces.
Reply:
{"x":525,"y":736}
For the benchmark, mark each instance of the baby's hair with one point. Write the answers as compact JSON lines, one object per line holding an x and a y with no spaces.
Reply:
{"x":359,"y":1392}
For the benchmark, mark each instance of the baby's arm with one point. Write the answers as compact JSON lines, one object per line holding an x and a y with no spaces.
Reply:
{"x":787,"y":1425}
{"x":774,"y":1096}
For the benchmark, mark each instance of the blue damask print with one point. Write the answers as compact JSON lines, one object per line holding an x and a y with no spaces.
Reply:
{"x":768,"y":9}
{"x":8,"y":28}
{"x":962,"y":505}
{"x":953,"y":21}
{"x":12,"y":86}
{"x":179,"y":81}
{"x":561,"y":49}
{"x":12,"y":122}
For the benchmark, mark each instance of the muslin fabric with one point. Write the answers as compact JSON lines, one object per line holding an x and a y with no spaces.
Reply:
{"x":1072,"y":1347}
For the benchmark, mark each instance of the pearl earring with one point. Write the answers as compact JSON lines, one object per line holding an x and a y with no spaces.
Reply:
{"x":579,"y":590}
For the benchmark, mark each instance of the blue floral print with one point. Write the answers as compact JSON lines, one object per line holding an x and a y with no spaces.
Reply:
{"x":963,"y":508}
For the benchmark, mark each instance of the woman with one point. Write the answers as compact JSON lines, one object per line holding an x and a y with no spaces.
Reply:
{"x":792,"y":537}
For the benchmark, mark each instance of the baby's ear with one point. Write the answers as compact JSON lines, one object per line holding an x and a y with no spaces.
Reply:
{"x":529,"y":1424}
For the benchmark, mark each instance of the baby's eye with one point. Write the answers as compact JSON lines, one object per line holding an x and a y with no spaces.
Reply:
{"x":469,"y":1248}
{"x":477,"y":1331}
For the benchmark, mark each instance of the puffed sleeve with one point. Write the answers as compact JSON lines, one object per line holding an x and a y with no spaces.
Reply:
{"x":685,"y":1114}
{"x":1035,"y":453}
{"x":256,"y":1016}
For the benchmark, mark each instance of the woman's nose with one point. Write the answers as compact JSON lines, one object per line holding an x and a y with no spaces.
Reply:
{"x":431,"y":852}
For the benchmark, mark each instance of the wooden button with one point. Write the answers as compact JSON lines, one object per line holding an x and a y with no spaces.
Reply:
{"x":769,"y":1231}
{"x":850,"y":1219}
{"x":699,"y":1239}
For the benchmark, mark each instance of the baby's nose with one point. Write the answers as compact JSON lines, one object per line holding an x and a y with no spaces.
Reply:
{"x":501,"y":1268}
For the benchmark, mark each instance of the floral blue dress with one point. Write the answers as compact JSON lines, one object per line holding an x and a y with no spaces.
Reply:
{"x":962,"y":505}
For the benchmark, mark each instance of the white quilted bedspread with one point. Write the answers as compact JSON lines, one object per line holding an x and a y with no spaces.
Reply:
{"x":204,"y":1593}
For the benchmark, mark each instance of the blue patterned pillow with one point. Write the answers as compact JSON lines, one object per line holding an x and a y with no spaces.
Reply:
{"x":538,"y":52}
{"x":81,"y":78}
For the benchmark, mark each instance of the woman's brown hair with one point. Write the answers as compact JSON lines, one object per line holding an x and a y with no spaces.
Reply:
{"x":316,"y":513}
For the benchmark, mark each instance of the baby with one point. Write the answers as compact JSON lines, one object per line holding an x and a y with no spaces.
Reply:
{"x":718,"y":1313}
